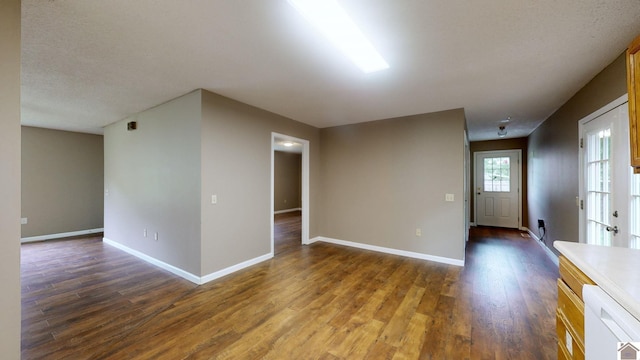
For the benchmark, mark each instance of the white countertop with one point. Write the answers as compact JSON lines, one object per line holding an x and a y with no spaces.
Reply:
{"x":616,"y":270}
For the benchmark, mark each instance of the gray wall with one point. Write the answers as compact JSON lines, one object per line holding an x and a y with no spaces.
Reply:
{"x":10,"y":179}
{"x":553,"y":155}
{"x":62,"y":181}
{"x":381,"y":180}
{"x":152,"y":176}
{"x":161,"y":177}
{"x":236,"y":166}
{"x":287,"y":173}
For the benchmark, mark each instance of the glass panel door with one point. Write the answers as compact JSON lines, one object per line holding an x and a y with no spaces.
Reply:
{"x":610,"y":208}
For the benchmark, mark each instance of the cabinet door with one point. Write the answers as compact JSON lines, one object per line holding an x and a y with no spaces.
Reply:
{"x":633,"y":84}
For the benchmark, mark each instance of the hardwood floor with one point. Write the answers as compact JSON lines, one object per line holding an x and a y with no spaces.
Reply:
{"x":86,"y":300}
{"x":287,"y":233}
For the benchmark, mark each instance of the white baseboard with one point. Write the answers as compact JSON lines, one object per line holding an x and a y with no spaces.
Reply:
{"x":151,"y":260}
{"x":287,"y":211}
{"x":199,"y":280}
{"x":548,"y":251}
{"x":386,"y":250}
{"x":234,"y":268}
{"x":61,"y":235}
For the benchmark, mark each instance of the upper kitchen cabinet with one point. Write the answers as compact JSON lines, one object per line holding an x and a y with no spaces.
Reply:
{"x":633,"y":84}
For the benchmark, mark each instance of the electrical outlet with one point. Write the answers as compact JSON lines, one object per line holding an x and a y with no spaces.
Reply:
{"x":155,"y":236}
{"x":418,"y":232}
{"x":540,"y":224}
{"x":23,"y":221}
{"x":144,"y":232}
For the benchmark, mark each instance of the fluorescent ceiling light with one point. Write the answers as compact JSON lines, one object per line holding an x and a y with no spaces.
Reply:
{"x":331,"y":19}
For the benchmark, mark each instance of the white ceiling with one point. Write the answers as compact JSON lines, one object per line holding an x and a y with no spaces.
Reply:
{"x":89,"y":63}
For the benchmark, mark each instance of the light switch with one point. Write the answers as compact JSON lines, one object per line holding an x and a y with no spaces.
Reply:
{"x":214,"y":199}
{"x":448,"y":197}
{"x":23,"y":221}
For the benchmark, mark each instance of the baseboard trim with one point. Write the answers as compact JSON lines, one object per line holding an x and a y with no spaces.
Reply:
{"x":153,"y":261}
{"x":199,"y":280}
{"x":286,"y":211}
{"x":60,"y":235}
{"x":548,"y":251}
{"x":387,"y":250}
{"x":231,"y":269}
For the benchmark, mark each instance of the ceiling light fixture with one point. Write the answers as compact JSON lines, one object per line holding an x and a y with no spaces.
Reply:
{"x":287,"y":143}
{"x":502,"y":131}
{"x":331,"y":19}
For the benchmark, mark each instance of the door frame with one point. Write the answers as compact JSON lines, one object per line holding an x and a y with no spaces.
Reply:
{"x":467,"y":187}
{"x":475,"y":178}
{"x":581,"y":191}
{"x":305,"y":186}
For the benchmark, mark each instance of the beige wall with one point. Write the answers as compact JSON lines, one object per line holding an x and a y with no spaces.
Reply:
{"x":236,"y":166}
{"x":10,"y":179}
{"x":553,"y":155}
{"x":381,"y":180}
{"x":161,"y":177}
{"x":62,"y":181}
{"x":152,"y":176}
{"x":287,"y":173}
{"x":505,"y":144}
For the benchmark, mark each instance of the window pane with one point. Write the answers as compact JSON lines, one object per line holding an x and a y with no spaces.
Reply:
{"x":598,"y":187}
{"x":634,"y":220}
{"x":497,"y":173}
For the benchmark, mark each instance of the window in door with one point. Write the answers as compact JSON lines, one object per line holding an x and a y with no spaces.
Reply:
{"x":598,"y":185}
{"x":497,"y":174}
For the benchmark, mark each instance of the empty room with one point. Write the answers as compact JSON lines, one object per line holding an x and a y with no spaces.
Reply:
{"x":299,"y":179}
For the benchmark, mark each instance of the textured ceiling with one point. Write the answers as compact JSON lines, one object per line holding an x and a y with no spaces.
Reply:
{"x":89,"y":63}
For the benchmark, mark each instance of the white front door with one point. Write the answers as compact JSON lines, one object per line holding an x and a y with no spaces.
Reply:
{"x":498,"y":188}
{"x":608,"y":185}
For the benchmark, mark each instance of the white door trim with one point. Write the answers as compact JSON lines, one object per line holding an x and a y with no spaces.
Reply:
{"x":305,"y":186}
{"x":475,"y":177}
{"x":467,"y":187}
{"x":581,"y":193}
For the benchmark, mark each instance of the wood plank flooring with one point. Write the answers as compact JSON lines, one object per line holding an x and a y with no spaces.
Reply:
{"x":86,"y":300}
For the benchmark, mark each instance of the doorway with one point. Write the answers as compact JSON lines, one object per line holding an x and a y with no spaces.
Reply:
{"x":498,"y":179}
{"x":609,"y":191}
{"x":281,"y":142}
